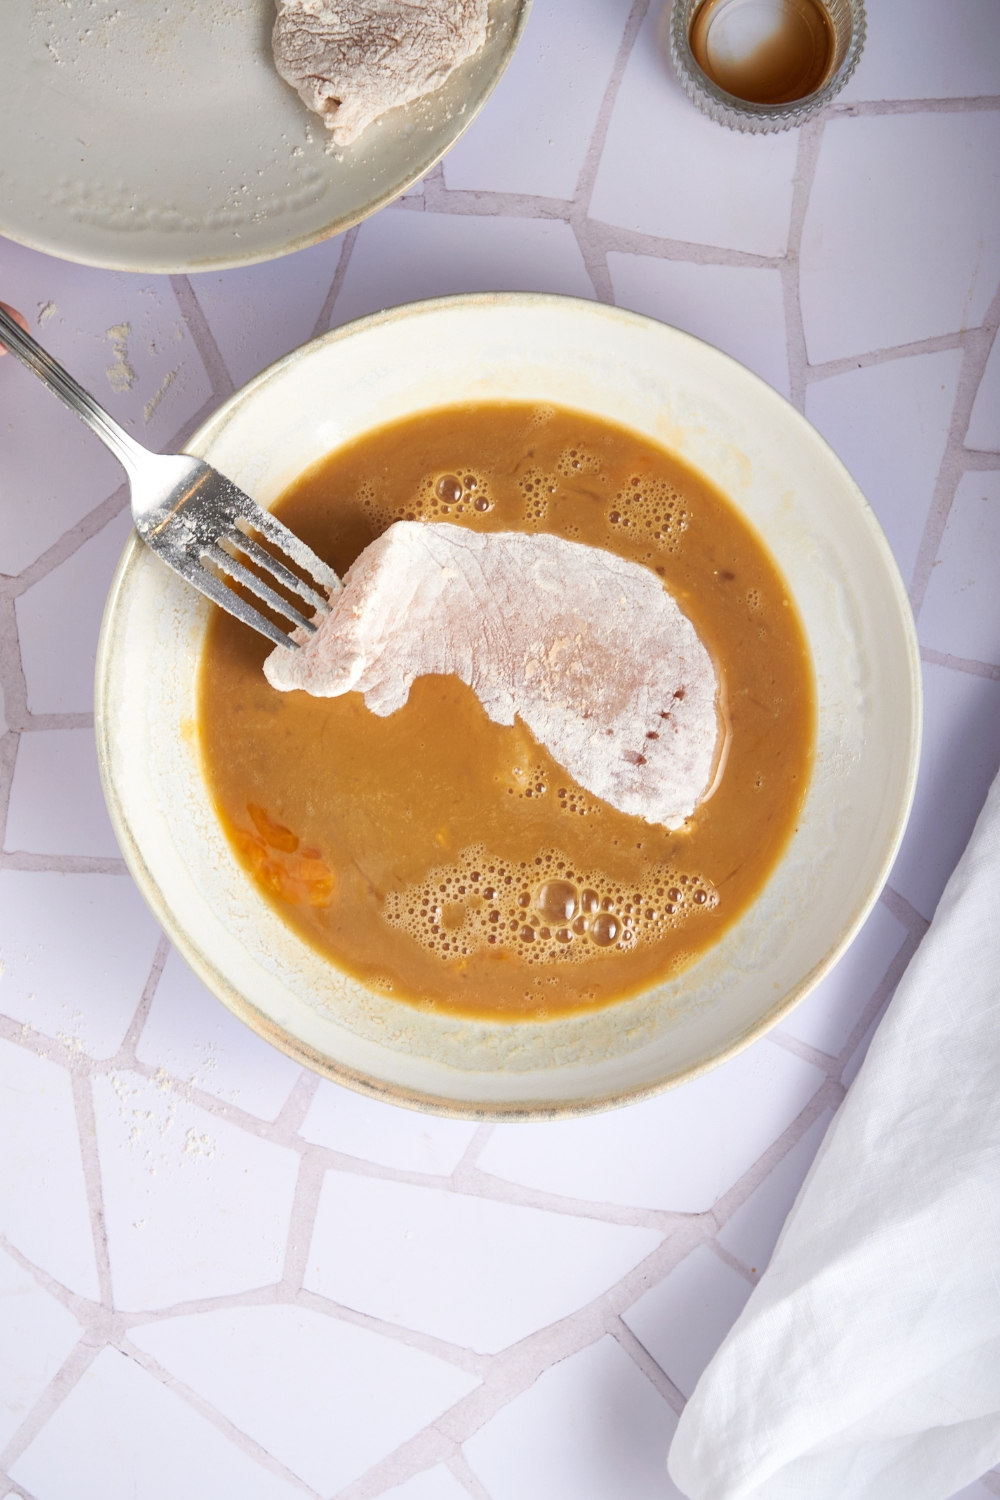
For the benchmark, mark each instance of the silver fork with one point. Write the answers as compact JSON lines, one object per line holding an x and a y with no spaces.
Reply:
{"x":193,"y":517}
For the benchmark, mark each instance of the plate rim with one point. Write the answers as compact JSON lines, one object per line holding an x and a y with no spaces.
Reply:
{"x":193,"y":266}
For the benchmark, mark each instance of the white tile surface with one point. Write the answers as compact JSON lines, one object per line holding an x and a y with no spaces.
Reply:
{"x":928,"y":49}
{"x":194,"y":1207}
{"x":259,"y":313}
{"x":76,"y":952}
{"x":43,"y":1200}
{"x":591,"y":1428}
{"x":739,"y":309}
{"x":49,"y":485}
{"x":900,"y":244}
{"x":683,"y":1320}
{"x":433,"y":1484}
{"x":889,"y":423}
{"x":400,"y":257}
{"x":324,"y":1397}
{"x":562,"y":65}
{"x":192,"y":1036}
{"x":960,"y":614}
{"x":147,"y":373}
{"x":827,"y":1016}
{"x":56,"y":804}
{"x":468,"y":1270}
{"x":668,"y":170}
{"x":680,"y":1151}
{"x":400,"y":1138}
{"x":32,"y":1321}
{"x":913,"y":190}
{"x":752,"y":1232}
{"x":984,"y":423}
{"x":959,"y":759}
{"x":123,"y":1436}
{"x":59,"y":620}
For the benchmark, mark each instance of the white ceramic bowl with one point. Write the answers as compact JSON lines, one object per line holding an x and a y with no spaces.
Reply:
{"x":722,"y":420}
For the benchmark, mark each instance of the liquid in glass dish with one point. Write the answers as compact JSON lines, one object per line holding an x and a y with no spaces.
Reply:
{"x":764,"y":51}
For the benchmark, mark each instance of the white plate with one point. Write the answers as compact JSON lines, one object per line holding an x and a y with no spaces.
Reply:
{"x":156,"y":135}
{"x":723,"y":421}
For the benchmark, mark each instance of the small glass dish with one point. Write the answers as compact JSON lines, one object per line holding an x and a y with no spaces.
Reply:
{"x":847,"y":22}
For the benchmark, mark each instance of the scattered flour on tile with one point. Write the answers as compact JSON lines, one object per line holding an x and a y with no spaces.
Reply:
{"x":121,"y":376}
{"x":588,"y":649}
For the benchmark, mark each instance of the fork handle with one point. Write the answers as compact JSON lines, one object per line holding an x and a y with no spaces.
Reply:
{"x":125,"y":448}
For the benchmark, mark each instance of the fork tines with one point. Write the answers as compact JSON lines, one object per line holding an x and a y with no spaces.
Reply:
{"x":233,"y":537}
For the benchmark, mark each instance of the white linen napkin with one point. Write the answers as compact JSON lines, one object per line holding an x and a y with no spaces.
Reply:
{"x":866,"y":1364}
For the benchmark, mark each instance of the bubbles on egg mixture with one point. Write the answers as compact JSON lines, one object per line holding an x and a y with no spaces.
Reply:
{"x":537,"y":487}
{"x":540,"y":415}
{"x":644,"y":510}
{"x":572,"y":462}
{"x":650,"y":510}
{"x":532,"y":782}
{"x":462,"y":491}
{"x":546,"y":911}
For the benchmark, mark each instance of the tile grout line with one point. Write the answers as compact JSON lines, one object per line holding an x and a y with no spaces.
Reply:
{"x":828,"y":1096}
{"x":95,"y":520}
{"x":415,"y":1455}
{"x":463,"y":1471}
{"x":960,"y":664}
{"x":8,"y":759}
{"x":976,"y":351}
{"x":217,"y":1419}
{"x":291,"y":1117}
{"x":301,"y":1222}
{"x":63,"y":864}
{"x":66,"y":545}
{"x":42,"y":722}
{"x":689,"y":252}
{"x":640,"y":1356}
{"x":83,"y":1104}
{"x":867,"y":108}
{"x":430,"y":1344}
{"x":790,"y":1043}
{"x":981,"y":460}
{"x":469,"y":1163}
{"x":125,"y":1057}
{"x":325,"y":318}
{"x":807,"y":159}
{"x":13,"y":686}
{"x":594,"y":253}
{"x":202,"y":337}
{"x":92,"y":1316}
{"x":69,"y":1374}
{"x":883,"y":993}
{"x":732,"y":1261}
{"x":914,"y":921}
{"x":938,"y":344}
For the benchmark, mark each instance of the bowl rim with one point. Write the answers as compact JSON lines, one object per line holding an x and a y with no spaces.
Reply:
{"x":398,"y":1094}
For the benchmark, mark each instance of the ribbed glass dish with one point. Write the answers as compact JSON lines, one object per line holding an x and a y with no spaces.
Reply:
{"x":847,"y":18}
